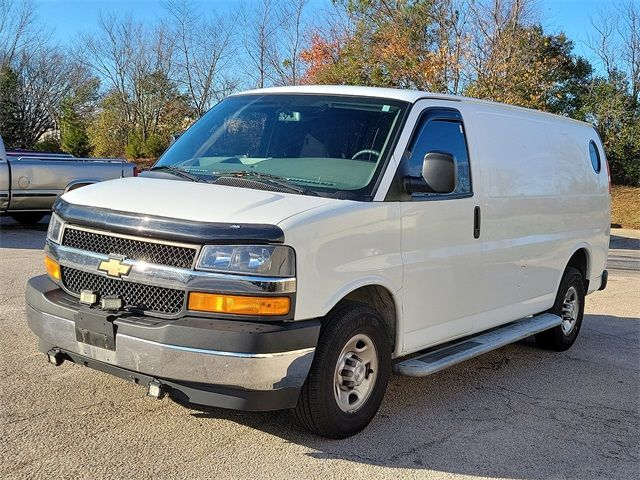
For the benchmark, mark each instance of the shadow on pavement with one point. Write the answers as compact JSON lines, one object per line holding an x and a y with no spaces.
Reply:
{"x":625,"y":243}
{"x":518,"y":412}
{"x":18,"y":236}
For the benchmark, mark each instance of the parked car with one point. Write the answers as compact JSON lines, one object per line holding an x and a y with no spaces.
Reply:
{"x":30,"y":181}
{"x":297,"y":244}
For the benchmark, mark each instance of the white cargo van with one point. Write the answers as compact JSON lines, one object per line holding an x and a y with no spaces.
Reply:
{"x":297,"y":245}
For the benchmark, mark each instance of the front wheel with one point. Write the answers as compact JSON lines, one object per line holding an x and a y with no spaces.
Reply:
{"x":569,"y":306}
{"x":349,"y":374}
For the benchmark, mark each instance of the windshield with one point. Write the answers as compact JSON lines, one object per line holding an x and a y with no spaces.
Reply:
{"x":318,"y":143}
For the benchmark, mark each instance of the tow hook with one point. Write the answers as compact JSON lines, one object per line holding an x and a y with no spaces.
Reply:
{"x":155,"y":390}
{"x":54,"y":356}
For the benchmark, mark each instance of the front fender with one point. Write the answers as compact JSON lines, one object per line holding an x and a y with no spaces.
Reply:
{"x":341,"y":247}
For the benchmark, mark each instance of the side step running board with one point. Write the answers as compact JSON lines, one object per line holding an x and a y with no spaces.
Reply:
{"x":443,"y":357}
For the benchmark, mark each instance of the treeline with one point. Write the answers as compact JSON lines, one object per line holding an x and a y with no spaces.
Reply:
{"x":125,"y":88}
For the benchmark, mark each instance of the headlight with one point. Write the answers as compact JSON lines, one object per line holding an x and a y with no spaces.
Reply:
{"x":267,"y":260}
{"x":55,"y":229}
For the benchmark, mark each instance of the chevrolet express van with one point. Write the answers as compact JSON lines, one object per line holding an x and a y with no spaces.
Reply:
{"x":296,"y":245}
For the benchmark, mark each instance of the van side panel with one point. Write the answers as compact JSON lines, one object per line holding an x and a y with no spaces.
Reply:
{"x":542,"y":201}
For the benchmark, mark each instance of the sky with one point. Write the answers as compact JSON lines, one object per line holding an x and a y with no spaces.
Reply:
{"x":68,"y":17}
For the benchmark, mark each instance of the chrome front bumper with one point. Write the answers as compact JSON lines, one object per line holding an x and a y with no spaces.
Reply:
{"x":267,"y":371}
{"x":256,"y":366}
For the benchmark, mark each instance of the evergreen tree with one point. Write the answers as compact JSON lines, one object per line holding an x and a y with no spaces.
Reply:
{"x":75,"y":114}
{"x":12,"y":126}
{"x":73,"y":133}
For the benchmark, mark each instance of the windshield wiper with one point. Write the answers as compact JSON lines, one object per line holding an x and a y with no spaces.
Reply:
{"x":267,"y":178}
{"x":178,"y":172}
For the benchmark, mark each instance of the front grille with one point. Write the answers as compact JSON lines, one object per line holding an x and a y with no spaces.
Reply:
{"x":160,"y":253}
{"x":143,"y":297}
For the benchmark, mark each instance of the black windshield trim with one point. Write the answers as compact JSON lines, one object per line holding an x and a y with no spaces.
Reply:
{"x":178,"y":172}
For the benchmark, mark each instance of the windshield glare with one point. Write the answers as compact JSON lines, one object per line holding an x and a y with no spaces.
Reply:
{"x":319,"y":142}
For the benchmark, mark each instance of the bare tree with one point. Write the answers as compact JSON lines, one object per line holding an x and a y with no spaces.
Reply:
{"x":203,"y":54}
{"x":629,"y":30}
{"x":453,"y":38}
{"x":259,"y":24}
{"x":151,"y":73}
{"x":284,"y":56}
{"x":603,"y":41}
{"x":18,"y":29}
{"x":136,"y":62}
{"x":494,"y":23}
{"x":111,"y":56}
{"x":45,"y":77}
{"x":39,"y":73}
{"x":615,"y":43}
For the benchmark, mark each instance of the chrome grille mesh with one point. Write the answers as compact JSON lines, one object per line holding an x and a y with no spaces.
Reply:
{"x":144,"y":297}
{"x":159,"y":253}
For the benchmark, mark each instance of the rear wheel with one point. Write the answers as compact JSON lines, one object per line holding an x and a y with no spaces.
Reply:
{"x":349,"y":374}
{"x":27,"y":218}
{"x":569,"y":306}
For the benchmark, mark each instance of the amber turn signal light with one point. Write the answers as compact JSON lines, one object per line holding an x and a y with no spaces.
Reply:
{"x":53,"y":268}
{"x":238,"y":305}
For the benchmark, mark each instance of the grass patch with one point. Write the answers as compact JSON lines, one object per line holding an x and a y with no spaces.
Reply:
{"x":625,"y":206}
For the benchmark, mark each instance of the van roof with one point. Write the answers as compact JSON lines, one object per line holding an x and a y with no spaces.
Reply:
{"x":410,"y":96}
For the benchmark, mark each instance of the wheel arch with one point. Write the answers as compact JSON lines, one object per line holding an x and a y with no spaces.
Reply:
{"x":580,"y":259}
{"x":380,"y":298}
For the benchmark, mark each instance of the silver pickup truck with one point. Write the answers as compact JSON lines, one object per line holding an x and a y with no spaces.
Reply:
{"x":30,"y":182}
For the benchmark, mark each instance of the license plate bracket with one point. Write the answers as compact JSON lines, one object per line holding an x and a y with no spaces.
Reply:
{"x":96,"y":328}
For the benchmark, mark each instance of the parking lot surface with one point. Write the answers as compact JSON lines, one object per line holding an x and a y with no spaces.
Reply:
{"x":518,"y":412}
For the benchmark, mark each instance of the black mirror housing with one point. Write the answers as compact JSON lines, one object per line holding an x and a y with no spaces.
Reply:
{"x":439,"y":171}
{"x":439,"y":175}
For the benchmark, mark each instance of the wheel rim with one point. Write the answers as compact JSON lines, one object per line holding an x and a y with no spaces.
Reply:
{"x":356,"y":373}
{"x":570,"y":310}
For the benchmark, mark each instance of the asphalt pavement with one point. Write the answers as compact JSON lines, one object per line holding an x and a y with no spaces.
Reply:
{"x":518,"y":412}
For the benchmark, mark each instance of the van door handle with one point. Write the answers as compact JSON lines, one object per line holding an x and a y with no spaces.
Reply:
{"x":476,"y":222}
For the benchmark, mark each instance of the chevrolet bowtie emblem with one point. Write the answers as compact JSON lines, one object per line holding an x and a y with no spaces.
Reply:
{"x":114,"y":267}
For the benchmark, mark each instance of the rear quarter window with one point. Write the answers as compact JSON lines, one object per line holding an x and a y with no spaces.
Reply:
{"x":595,"y":156}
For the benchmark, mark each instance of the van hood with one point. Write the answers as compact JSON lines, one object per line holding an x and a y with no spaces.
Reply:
{"x":201,"y":202}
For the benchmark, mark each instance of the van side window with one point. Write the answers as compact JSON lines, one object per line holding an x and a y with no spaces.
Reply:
{"x":446,"y":136}
{"x":595,"y":156}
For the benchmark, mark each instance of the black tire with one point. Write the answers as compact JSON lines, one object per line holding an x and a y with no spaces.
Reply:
{"x":27,"y":218}
{"x":561,"y":338}
{"x":318,"y":409}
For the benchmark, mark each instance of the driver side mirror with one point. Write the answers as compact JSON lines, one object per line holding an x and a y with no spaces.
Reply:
{"x":439,"y":175}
